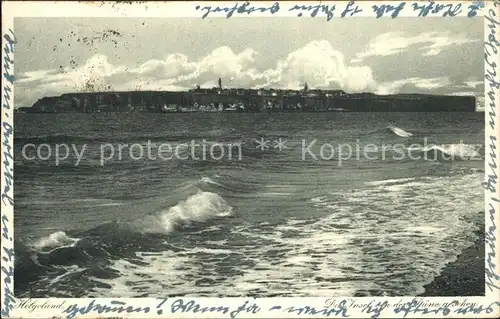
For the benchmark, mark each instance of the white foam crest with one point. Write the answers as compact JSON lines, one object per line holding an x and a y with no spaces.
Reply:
{"x":273,"y":237}
{"x":319,"y":199}
{"x":52,"y":285}
{"x":399,"y":132}
{"x":199,"y":207}
{"x":428,"y":230}
{"x":211,"y":251}
{"x":462,"y":150}
{"x":213,"y":228}
{"x":166,"y":271}
{"x":162,"y":271}
{"x":208,"y":180}
{"x":216,"y":242}
{"x":389,"y":181}
{"x":400,"y":187}
{"x":313,"y":258}
{"x":54,"y":240}
{"x":273,"y":194}
{"x":456,"y":151}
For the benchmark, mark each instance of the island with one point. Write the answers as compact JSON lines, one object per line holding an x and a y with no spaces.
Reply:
{"x":218,"y":99}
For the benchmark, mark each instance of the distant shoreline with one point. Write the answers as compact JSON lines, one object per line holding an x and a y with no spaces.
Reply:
{"x":248,"y":101}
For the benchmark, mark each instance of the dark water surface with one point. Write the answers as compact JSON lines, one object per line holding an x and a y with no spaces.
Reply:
{"x":268,"y":224}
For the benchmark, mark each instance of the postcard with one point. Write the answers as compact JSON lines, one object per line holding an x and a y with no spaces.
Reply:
{"x":248,"y":159}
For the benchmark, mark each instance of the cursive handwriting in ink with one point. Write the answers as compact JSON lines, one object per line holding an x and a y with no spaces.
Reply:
{"x":476,"y":5}
{"x":8,"y":59}
{"x":416,"y":306}
{"x":115,"y":306}
{"x":380,"y":10}
{"x":351,"y":8}
{"x":8,"y":75}
{"x":490,"y":238}
{"x":375,"y":308}
{"x":432,"y":8}
{"x":477,"y":309}
{"x":8,"y":301}
{"x":8,"y":161}
{"x":339,"y":310}
{"x":191,"y":306}
{"x":491,"y":50}
{"x":490,"y":185}
{"x":237,"y":8}
{"x":314,"y":10}
{"x":253,"y":308}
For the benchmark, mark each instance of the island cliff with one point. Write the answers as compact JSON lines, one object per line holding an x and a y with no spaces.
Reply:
{"x":249,"y":100}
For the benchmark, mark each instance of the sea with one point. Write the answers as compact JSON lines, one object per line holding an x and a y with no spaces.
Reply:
{"x":272,"y":205}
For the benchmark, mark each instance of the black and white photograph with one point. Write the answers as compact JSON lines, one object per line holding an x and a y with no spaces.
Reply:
{"x":249,"y":157}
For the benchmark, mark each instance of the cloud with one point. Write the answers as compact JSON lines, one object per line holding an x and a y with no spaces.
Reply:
{"x":321,"y":66}
{"x":175,"y":64}
{"x":428,"y":43}
{"x":224,"y":62}
{"x":93,"y":74}
{"x":318,"y":63}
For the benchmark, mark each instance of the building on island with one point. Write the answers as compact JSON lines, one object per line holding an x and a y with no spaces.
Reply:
{"x":220,"y":99}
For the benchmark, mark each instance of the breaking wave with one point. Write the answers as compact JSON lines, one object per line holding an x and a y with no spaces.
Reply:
{"x":66,"y":254}
{"x":399,"y":132}
{"x":197,"y":208}
{"x":450,"y":152}
{"x":54,"y":240}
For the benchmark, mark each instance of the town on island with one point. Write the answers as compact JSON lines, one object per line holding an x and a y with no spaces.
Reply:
{"x":220,"y":99}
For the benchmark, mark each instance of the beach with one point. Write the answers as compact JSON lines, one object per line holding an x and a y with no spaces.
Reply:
{"x":463,"y":277}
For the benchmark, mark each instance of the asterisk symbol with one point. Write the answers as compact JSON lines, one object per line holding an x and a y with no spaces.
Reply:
{"x":280,"y":144}
{"x":262,"y":144}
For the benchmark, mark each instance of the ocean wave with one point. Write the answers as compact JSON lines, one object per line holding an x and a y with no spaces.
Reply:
{"x":390,"y":131}
{"x":197,"y":208}
{"x":210,"y":181}
{"x":54,"y":240}
{"x":228,"y":185}
{"x":404,"y":215}
{"x":449,"y":152}
{"x":92,"y":251}
{"x":390,"y":181}
{"x":399,"y":131}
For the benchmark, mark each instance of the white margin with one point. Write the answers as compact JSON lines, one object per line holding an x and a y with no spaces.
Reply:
{"x":241,"y":307}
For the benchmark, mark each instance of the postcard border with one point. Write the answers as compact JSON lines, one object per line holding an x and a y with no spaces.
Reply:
{"x":387,"y":307}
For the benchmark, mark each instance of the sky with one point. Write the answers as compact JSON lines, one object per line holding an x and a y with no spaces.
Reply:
{"x":384,"y":56}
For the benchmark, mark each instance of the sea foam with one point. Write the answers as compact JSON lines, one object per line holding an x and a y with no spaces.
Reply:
{"x":199,"y":207}
{"x":399,"y":132}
